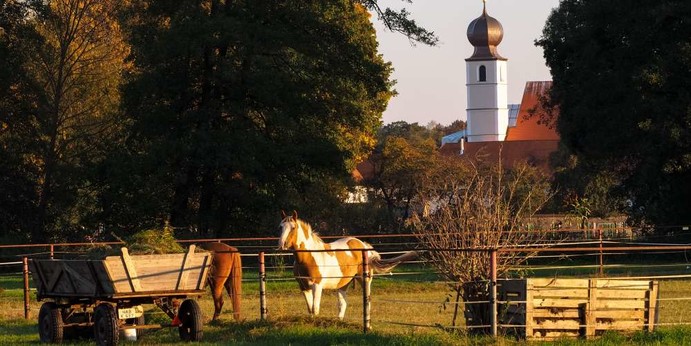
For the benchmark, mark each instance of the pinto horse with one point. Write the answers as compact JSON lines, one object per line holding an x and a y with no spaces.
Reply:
{"x":226,"y":271}
{"x":319,"y":270}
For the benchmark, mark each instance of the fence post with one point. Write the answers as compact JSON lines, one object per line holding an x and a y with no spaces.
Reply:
{"x":601,"y":261}
{"x":262,"y":288}
{"x":493,"y":291}
{"x":25,"y":262}
{"x":52,"y":251}
{"x":365,"y":292}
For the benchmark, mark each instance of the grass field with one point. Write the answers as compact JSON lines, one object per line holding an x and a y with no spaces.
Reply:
{"x":406,"y":310}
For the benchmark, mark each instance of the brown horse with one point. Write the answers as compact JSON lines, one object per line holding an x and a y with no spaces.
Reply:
{"x":226,"y":271}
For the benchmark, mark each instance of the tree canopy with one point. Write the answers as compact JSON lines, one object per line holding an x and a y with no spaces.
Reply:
{"x":208,"y":114}
{"x":65,"y":64}
{"x":620,"y":82}
{"x":240,"y":109}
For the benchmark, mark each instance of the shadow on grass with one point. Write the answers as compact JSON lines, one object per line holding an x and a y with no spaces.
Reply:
{"x":308,"y":331}
{"x":18,"y":332}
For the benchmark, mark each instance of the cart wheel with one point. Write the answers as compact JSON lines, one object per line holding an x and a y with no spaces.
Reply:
{"x":190,"y":315}
{"x":50,"y":326}
{"x":106,"y":329}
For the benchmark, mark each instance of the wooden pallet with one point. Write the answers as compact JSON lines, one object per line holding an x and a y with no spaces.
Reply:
{"x":545,"y":309}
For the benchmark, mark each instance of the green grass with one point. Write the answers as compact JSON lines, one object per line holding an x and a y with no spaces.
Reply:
{"x":406,"y":310}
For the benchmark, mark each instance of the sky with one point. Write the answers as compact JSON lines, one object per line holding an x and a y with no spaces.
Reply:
{"x":430,"y":81}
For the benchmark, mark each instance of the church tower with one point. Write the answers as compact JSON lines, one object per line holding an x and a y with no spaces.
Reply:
{"x":487,"y":112}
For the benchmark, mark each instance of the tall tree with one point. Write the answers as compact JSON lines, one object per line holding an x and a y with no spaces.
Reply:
{"x":17,"y":191}
{"x":621,"y":84}
{"x":405,"y":156}
{"x":70,"y":61}
{"x":241,"y":108}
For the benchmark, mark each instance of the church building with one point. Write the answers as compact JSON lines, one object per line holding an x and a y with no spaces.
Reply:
{"x":495,"y":127}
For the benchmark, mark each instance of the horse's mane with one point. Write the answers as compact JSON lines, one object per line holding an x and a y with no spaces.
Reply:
{"x":308,"y":227}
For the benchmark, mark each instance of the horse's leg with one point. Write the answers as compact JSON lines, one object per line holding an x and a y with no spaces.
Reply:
{"x":309,"y":299}
{"x":317,"y":291}
{"x":217,"y":294}
{"x":342,"y":301}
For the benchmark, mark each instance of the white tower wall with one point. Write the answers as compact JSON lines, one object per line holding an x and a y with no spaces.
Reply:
{"x":487,"y":112}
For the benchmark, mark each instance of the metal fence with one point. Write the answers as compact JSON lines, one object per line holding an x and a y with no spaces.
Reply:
{"x":598,"y":255}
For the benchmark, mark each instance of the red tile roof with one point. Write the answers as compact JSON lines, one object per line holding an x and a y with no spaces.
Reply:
{"x":534,"y":152}
{"x":528,"y":123}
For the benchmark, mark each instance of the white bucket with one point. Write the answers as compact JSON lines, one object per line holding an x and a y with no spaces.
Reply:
{"x":130,"y":334}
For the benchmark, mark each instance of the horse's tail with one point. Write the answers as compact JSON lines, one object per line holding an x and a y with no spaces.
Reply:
{"x":236,"y":284}
{"x":380,"y":265}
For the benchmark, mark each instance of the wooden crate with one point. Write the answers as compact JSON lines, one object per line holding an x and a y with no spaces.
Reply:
{"x":541,"y":309}
{"x":121,"y":276}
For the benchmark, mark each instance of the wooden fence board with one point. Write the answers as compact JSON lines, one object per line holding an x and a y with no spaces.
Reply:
{"x":622,"y":293}
{"x":552,"y":282}
{"x":620,"y":314}
{"x":556,"y":324}
{"x":622,"y":284}
{"x":619,"y":304}
{"x":568,"y":293}
{"x":556,"y":313}
{"x":556,"y":303}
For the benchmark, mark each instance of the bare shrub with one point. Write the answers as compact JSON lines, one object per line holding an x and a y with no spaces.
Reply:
{"x":478,"y":207}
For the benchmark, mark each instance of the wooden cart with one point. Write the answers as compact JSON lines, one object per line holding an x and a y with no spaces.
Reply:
{"x":107,"y":296}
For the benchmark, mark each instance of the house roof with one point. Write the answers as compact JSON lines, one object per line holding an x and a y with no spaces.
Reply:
{"x":529,"y":125}
{"x":363,"y":171}
{"x":534,"y":152}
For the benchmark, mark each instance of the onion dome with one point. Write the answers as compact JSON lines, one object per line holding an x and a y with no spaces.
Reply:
{"x":485,"y":33}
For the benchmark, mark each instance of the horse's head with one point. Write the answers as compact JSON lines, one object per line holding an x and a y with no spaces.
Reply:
{"x":288,"y":227}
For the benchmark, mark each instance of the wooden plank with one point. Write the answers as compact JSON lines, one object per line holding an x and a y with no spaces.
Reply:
{"x":117,"y":275}
{"x":130,"y":270}
{"x":561,"y":292}
{"x":37,"y":275}
{"x":553,"y":282}
{"x":589,"y":318}
{"x":651,"y":305}
{"x":622,"y":293}
{"x":529,"y":308}
{"x":206,"y":264}
{"x":628,"y":284}
{"x":620,"y":325}
{"x":557,"y":324}
{"x":560,"y":334}
{"x":619,"y":315}
{"x":556,"y":313}
{"x":185,"y":273}
{"x":159,"y":272}
{"x":557,"y":303}
{"x":55,"y":277}
{"x":80,"y":278}
{"x":619,"y":304}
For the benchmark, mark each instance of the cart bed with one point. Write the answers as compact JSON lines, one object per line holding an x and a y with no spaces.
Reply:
{"x":123,"y":276}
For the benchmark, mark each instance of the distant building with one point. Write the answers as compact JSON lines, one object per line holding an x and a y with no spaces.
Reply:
{"x":494,"y":127}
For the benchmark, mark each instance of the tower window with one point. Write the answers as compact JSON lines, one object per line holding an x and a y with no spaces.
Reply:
{"x":482,"y":74}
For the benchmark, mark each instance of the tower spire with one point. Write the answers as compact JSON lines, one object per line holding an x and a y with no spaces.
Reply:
{"x":487,"y":112}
